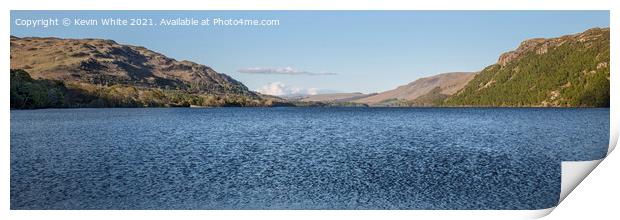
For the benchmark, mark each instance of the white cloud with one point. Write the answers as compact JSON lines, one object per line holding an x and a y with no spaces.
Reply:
{"x":281,"y":89}
{"x":283,"y":71}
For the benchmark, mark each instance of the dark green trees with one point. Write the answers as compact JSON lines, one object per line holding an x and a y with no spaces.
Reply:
{"x":571,"y":71}
{"x":28,"y":93}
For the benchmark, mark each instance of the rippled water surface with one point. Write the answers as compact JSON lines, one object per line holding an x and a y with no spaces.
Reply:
{"x":298,"y":158}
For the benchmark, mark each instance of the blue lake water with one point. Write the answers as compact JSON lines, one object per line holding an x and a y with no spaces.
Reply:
{"x":298,"y":158}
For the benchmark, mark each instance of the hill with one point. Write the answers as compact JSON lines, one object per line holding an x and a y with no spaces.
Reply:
{"x":445,"y":84}
{"x":568,"y":71}
{"x":103,"y":73}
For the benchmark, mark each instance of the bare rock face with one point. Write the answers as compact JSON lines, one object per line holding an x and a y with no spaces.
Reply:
{"x":542,"y":45}
{"x":105,"y":62}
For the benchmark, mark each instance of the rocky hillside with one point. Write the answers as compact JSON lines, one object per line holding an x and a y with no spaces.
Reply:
{"x":446,"y":84}
{"x":105,"y":62}
{"x":568,"y":71}
{"x":103,"y":73}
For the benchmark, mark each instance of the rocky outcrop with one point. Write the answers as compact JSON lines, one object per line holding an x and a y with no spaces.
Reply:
{"x":542,"y":45}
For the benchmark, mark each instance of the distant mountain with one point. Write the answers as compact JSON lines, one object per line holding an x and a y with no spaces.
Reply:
{"x":336,"y":97}
{"x":568,"y":71}
{"x":446,"y":84}
{"x":103,"y":73}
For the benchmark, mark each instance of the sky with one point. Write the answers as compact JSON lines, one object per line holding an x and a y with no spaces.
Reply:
{"x":310,"y":52}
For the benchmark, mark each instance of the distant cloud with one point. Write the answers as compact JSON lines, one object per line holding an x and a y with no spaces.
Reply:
{"x":281,"y":89}
{"x":283,"y":71}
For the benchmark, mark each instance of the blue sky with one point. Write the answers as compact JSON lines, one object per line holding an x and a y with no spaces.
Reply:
{"x":330,"y":51}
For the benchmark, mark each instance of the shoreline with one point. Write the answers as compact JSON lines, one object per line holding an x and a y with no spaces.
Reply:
{"x":313,"y":107}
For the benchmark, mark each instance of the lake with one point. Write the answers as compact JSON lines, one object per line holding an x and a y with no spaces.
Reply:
{"x":298,"y":158}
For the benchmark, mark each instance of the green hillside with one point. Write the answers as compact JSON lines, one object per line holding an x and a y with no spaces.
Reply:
{"x":570,"y":71}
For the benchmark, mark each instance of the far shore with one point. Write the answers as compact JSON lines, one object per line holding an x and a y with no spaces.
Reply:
{"x":373,"y":107}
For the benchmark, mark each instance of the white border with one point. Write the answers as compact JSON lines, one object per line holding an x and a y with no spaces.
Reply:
{"x":284,"y":214}
{"x":284,"y":5}
{"x":313,"y":5}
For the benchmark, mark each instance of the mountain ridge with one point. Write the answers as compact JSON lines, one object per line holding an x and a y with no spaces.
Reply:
{"x":105,"y":62}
